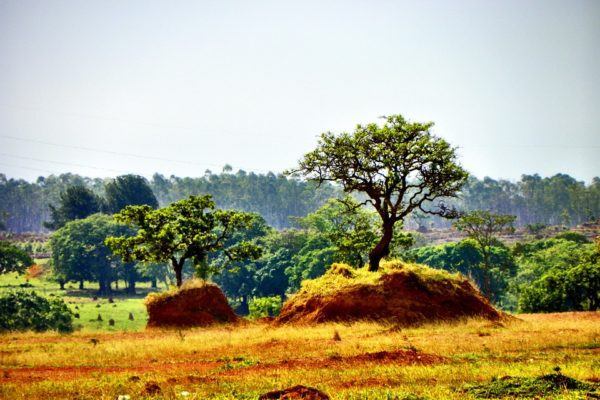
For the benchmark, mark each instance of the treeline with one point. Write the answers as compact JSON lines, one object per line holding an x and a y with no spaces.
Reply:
{"x":556,"y":200}
{"x":26,"y":206}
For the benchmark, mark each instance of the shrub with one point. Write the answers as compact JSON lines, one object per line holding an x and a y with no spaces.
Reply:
{"x":26,"y":310}
{"x":264,"y":307}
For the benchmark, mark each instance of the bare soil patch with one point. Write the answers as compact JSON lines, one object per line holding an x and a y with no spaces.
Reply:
{"x":402,"y":297}
{"x":189,"y":307}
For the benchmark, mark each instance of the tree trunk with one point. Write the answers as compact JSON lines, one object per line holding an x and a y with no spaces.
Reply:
{"x":383,"y":247}
{"x":62,"y":285}
{"x":105,"y":288}
{"x":154,"y":283}
{"x":131,"y":286}
{"x":178,"y":267}
{"x":244,"y":308}
{"x":81,"y":284}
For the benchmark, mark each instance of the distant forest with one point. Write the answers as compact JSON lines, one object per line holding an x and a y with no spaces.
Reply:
{"x":556,"y":200}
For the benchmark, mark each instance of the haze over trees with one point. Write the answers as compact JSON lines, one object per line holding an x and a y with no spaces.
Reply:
{"x":401,"y":167}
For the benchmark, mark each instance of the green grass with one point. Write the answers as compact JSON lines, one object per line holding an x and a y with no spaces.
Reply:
{"x":86,"y":303}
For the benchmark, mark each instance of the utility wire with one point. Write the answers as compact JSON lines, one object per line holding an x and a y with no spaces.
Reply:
{"x":116,"y":153}
{"x":64,"y":163}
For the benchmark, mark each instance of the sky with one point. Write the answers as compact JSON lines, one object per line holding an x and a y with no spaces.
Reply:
{"x":105,"y":88}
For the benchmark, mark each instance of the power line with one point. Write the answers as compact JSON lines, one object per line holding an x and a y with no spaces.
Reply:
{"x":64,"y":163}
{"x":115,"y":153}
{"x":28,"y":168}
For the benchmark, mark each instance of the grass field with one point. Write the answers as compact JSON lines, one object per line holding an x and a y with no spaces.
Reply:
{"x":371,"y":361}
{"x":86,"y":306}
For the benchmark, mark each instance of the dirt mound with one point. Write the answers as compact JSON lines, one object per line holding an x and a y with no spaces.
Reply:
{"x":193,"y":305}
{"x":403,"y":294}
{"x":295,"y":392}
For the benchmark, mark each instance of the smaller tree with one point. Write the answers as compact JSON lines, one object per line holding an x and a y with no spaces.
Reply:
{"x":483,"y":226}
{"x":22,"y":311}
{"x":77,"y":202}
{"x":189,"y":229}
{"x":13,"y":259}
{"x":128,"y":190}
{"x":79,"y":252}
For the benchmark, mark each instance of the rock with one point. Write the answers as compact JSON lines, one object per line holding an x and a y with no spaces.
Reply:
{"x":295,"y":392}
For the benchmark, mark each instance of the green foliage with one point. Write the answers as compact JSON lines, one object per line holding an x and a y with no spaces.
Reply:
{"x":517,"y":387}
{"x":466,"y":257}
{"x":557,"y":275}
{"x":265,"y":307}
{"x":190,"y":229}
{"x":79,"y":252}
{"x":400,"y":166}
{"x":128,"y":190}
{"x":76,"y":202}
{"x":350,"y":229}
{"x":576,"y":288}
{"x":26,"y":310}
{"x":13,"y":259}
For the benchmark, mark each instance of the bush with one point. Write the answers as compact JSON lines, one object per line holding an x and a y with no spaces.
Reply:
{"x":26,"y":310}
{"x":264,"y":307}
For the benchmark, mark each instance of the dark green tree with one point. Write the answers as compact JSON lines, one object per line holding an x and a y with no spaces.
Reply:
{"x":13,"y":259}
{"x":401,"y":166}
{"x":190,"y":229}
{"x":76,"y":202}
{"x":128,"y":190}
{"x":22,"y":311}
{"x":80,"y":254}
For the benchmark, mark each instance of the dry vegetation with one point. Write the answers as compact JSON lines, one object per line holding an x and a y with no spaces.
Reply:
{"x":363,"y":361}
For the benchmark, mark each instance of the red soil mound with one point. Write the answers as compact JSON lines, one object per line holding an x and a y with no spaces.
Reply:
{"x":188,"y":307}
{"x":402,"y":296}
{"x":295,"y":392}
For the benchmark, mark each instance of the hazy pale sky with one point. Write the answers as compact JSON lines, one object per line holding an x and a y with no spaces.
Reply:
{"x":103,"y":88}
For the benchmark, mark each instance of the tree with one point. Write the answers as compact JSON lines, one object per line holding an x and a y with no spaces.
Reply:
{"x":349,"y":228}
{"x":400,"y":166}
{"x":190,"y":229}
{"x":79,"y":252}
{"x":483,"y":226}
{"x":13,"y":259}
{"x":76,"y":202}
{"x":466,"y":257}
{"x":128,"y":190}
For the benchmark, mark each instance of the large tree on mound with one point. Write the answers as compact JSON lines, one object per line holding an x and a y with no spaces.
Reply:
{"x":189,"y":229}
{"x":400,"y":166}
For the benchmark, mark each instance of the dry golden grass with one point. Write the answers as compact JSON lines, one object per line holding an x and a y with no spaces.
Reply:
{"x":240,"y":362}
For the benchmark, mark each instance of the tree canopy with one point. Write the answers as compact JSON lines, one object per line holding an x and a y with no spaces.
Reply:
{"x":79,"y":252}
{"x":76,"y":202}
{"x":401,"y":166}
{"x":13,"y":259}
{"x":189,"y":229}
{"x":128,"y":190}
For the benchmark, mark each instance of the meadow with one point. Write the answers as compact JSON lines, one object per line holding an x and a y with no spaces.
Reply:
{"x":465,"y":360}
{"x":357,"y":361}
